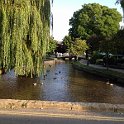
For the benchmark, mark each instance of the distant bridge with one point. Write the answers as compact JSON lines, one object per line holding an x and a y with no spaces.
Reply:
{"x":68,"y":57}
{"x":65,"y":56}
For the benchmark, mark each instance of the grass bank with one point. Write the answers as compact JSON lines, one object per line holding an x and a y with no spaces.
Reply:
{"x":115,"y":76}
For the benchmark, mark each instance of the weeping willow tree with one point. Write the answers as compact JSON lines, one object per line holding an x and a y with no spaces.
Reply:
{"x":24,"y":35}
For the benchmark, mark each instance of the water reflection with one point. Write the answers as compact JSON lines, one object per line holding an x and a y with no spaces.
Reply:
{"x":18,"y":87}
{"x":60,"y":83}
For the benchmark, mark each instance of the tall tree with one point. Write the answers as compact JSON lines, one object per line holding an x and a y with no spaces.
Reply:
{"x":118,"y":42}
{"x":24,"y":35}
{"x":67,"y":41}
{"x":119,"y":38}
{"x":78,"y":47}
{"x":52,"y":46}
{"x":94,"y":19}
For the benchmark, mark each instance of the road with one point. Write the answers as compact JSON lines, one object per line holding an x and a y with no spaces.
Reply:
{"x":48,"y":118}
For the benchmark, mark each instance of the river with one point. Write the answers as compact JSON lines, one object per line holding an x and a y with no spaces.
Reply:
{"x":61,"y":83}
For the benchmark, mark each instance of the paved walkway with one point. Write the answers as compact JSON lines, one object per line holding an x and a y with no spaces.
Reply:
{"x":61,"y":117}
{"x":101,"y":67}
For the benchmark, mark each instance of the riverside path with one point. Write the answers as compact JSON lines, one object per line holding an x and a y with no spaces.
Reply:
{"x":101,"y":67}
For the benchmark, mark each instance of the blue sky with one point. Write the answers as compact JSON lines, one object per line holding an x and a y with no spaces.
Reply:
{"x":63,"y":10}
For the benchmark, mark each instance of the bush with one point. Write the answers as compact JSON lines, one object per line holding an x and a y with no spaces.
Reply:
{"x":114,"y":60}
{"x":95,"y":57}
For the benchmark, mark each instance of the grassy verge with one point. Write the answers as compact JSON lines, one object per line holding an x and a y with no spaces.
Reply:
{"x":109,"y":74}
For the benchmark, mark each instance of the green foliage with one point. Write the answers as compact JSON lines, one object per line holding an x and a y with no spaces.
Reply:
{"x":94,"y":43}
{"x":114,"y":45}
{"x":67,"y":41}
{"x":118,"y":42}
{"x":94,"y":19}
{"x":96,"y":56}
{"x":78,"y":47}
{"x":97,"y":24}
{"x":52,"y":45}
{"x":24,"y":35}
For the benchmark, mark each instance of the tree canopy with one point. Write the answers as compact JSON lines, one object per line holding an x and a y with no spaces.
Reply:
{"x":94,"y":19}
{"x":118,"y":42}
{"x":24,"y":35}
{"x":67,"y":41}
{"x":52,"y":45}
{"x":78,"y":47}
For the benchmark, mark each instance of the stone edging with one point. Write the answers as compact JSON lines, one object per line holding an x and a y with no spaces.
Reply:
{"x":97,"y":72}
{"x":75,"y":106}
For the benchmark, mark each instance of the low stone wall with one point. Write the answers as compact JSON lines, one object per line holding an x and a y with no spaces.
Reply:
{"x":75,"y":106}
{"x":98,"y":72}
{"x":52,"y":62}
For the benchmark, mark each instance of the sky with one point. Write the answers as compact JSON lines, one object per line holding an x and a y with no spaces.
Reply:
{"x":63,"y":10}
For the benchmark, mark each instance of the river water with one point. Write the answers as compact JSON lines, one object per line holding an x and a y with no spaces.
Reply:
{"x":61,"y":83}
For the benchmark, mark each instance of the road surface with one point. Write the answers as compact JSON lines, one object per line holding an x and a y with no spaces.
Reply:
{"x":15,"y":117}
{"x":10,"y":119}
